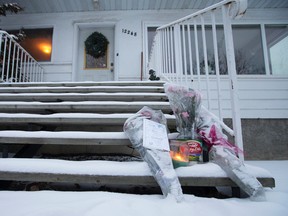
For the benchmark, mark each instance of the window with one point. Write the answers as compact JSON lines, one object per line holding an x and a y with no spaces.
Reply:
{"x":38,"y":43}
{"x":248,"y":45}
{"x":249,"y":55}
{"x":277,"y":46}
{"x":210,"y":50}
{"x":96,"y":63}
{"x":248,"y":49}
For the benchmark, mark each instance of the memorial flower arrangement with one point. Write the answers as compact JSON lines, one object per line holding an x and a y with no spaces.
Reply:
{"x":185,"y":104}
{"x":191,"y":119}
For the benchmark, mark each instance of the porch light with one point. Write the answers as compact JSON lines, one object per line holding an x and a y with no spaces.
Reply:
{"x":45,"y":48}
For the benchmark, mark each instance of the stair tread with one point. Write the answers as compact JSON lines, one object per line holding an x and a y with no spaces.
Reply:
{"x":94,"y":167}
{"x":127,"y":96}
{"x":63,"y":137}
{"x":72,"y":118}
{"x":208,"y":174}
{"x":80,"y":89}
{"x":7,"y":103}
{"x":86,"y":83}
{"x":83,"y":106}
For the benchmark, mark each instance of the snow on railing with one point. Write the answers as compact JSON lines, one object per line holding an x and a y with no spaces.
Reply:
{"x":198,"y":51}
{"x":16,"y":64}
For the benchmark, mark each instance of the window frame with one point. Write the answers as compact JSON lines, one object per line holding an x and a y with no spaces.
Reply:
{"x":29,"y":27}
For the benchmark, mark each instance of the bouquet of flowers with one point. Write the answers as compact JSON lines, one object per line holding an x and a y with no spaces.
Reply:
{"x":185,"y":104}
{"x":159,"y":161}
{"x":193,"y":118}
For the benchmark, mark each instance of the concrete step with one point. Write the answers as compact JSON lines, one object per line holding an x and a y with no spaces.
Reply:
{"x":83,"y":89}
{"x":101,"y":96}
{"x":84,"y":84}
{"x":115,"y":173}
{"x":80,"y":119}
{"x":81,"y":107}
{"x":63,"y":138}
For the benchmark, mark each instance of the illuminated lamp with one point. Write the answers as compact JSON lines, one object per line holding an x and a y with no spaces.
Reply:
{"x":45,"y":48}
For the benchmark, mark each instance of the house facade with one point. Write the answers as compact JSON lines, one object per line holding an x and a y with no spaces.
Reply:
{"x":260,"y":38}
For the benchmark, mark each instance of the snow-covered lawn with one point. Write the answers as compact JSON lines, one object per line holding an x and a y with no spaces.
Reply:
{"x":53,"y":203}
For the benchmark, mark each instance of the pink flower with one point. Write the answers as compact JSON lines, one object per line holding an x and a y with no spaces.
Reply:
{"x":185,"y":114}
{"x":146,"y":114}
{"x":190,"y":94}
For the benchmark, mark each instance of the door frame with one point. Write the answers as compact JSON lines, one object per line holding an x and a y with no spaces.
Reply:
{"x":77,"y":26}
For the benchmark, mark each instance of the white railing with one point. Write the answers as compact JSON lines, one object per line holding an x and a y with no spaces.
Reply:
{"x":16,"y":64}
{"x":198,"y":51}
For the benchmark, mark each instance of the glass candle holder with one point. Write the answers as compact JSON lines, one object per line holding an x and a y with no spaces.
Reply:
{"x":179,"y":152}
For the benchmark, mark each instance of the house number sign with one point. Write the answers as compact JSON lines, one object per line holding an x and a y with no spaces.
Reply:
{"x":129,"y":32}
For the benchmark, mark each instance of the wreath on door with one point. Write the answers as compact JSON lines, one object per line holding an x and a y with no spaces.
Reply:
{"x":96,"y":45}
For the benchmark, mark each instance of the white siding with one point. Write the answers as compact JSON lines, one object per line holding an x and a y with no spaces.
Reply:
{"x":265,"y":97}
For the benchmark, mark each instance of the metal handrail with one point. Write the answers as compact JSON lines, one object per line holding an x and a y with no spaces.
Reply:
{"x":16,"y":64}
{"x":176,"y":52}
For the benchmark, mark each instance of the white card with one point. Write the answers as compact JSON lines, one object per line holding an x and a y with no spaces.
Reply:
{"x":155,"y":135}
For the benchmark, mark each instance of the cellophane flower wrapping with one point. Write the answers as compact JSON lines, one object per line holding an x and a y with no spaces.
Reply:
{"x":185,"y":104}
{"x":189,"y":113}
{"x":159,"y":162}
{"x":237,"y":171}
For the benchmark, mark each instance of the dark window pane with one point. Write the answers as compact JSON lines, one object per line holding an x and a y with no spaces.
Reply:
{"x":38,"y":43}
{"x":248,"y":49}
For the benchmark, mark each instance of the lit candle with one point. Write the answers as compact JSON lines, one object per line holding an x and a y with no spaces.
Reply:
{"x":179,"y":160}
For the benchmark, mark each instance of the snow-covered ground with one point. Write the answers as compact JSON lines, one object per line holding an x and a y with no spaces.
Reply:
{"x":53,"y":203}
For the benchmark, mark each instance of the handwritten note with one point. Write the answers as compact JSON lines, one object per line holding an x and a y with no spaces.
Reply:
{"x":155,"y":135}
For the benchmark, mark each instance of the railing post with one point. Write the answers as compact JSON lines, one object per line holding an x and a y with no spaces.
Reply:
{"x":205,"y":61}
{"x":8,"y":61}
{"x":233,"y":78}
{"x":178,"y":55}
{"x":197,"y":56}
{"x":17,"y":65}
{"x":216,"y":59}
{"x":1,"y":37}
{"x":4,"y":58}
{"x":13,"y":64}
{"x":21,"y":67}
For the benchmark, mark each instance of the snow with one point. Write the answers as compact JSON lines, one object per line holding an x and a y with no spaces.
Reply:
{"x":63,"y":134}
{"x":48,"y":203}
{"x":95,"y":103}
{"x":85,"y":94}
{"x":21,"y":89}
{"x":113,"y":168}
{"x":73,"y":115}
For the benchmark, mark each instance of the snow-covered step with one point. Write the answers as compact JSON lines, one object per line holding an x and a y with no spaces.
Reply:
{"x":87,"y":83}
{"x":100,"y":96}
{"x":72,"y":118}
{"x":63,"y":138}
{"x":111,"y":172}
{"x":81,"y":89}
{"x":83,"y":106}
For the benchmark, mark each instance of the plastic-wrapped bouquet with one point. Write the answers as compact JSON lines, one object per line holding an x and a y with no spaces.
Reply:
{"x":159,"y":161}
{"x":224,"y":153}
{"x":185,"y":104}
{"x":192,"y":118}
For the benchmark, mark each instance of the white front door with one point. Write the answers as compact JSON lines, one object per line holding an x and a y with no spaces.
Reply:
{"x":95,"y":69}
